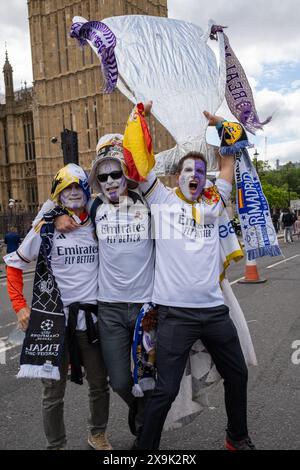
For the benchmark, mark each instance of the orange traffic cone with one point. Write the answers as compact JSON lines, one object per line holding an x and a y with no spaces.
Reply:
{"x":251,"y":274}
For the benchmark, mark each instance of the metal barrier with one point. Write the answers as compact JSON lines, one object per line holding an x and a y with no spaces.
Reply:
{"x":20,"y":220}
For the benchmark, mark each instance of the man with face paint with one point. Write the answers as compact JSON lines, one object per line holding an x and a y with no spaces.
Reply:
{"x":74,"y":263}
{"x":188,"y":293}
{"x":114,"y":185}
{"x":126,"y":265}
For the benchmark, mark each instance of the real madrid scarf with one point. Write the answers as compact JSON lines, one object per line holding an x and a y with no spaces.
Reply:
{"x":44,"y":340}
{"x":254,"y":213}
{"x":238,"y":92}
{"x":144,"y":350}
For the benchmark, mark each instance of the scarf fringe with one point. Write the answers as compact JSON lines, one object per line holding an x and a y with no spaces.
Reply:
{"x":137,"y":391}
{"x":235,"y":148}
{"x":148,"y":383}
{"x":263,"y":251}
{"x":29,"y":371}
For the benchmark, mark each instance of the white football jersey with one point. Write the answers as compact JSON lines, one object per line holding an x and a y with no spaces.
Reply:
{"x":126,"y":252}
{"x":187,"y":253}
{"x":74,"y":261}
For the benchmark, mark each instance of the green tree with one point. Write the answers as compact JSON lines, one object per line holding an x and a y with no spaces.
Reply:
{"x":287,"y":178}
{"x":278,"y":198}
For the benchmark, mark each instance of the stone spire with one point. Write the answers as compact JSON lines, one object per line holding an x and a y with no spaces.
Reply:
{"x":8,"y":78}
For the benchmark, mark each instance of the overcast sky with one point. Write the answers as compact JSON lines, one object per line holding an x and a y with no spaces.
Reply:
{"x":265,"y":35}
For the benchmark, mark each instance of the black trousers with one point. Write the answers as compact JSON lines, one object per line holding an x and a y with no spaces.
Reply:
{"x":178,"y":329}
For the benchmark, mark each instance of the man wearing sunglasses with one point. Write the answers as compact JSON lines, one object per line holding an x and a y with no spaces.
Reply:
{"x":126,"y":264}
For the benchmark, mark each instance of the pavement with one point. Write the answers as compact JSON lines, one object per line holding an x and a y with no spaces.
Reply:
{"x":273,"y":315}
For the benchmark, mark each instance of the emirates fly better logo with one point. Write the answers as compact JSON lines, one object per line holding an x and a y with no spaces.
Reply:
{"x":47,"y":325}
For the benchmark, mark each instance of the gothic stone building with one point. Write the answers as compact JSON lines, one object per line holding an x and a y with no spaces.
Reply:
{"x":17,"y":149}
{"x":67,"y":83}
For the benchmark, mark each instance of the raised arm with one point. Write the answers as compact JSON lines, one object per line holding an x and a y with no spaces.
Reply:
{"x":226,"y":164}
{"x":227,"y":168}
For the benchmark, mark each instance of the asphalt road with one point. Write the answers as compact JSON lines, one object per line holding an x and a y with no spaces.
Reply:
{"x":273,"y":314}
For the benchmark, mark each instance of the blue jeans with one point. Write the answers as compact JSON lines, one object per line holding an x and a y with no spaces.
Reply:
{"x":116,"y":326}
{"x":288,"y":234}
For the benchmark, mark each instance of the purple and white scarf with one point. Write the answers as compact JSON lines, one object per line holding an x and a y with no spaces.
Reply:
{"x":238,"y":92}
{"x":104,"y":41}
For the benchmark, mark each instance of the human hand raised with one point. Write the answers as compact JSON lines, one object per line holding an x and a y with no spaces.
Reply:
{"x":147,"y":107}
{"x":212,"y":118}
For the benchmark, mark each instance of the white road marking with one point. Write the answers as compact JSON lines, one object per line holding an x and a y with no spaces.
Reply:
{"x":268,"y":267}
{"x":283,"y":261}
{"x":237,"y":280}
{"x":250,"y":321}
{"x":8,"y":348}
{"x":8,"y":324}
{"x":14,"y":357}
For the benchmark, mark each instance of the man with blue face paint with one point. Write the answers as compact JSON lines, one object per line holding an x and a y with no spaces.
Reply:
{"x":188,"y":293}
{"x":192,"y":178}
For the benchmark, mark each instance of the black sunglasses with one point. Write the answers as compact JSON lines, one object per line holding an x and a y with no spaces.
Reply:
{"x":115,"y":175}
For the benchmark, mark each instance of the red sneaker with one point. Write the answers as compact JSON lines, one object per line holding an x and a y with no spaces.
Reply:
{"x":244,"y":444}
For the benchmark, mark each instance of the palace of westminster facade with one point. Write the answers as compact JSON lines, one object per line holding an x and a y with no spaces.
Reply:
{"x":66,"y":93}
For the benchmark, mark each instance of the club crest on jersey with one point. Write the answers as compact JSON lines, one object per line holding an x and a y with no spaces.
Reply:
{"x":138,"y":215}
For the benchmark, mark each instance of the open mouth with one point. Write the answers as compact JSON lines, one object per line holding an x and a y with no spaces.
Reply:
{"x":193,"y":185}
{"x":112,"y":189}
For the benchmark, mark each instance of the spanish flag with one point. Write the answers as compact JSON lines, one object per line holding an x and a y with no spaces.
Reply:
{"x":137,"y":145}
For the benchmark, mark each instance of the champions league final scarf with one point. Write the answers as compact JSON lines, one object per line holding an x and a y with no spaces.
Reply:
{"x":254,"y":213}
{"x":44,"y":340}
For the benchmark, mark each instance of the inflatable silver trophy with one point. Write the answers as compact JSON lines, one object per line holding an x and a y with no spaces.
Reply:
{"x":169,"y":62}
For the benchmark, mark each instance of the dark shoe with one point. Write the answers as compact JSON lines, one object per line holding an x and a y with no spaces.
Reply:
{"x":131,"y":418}
{"x":244,"y":444}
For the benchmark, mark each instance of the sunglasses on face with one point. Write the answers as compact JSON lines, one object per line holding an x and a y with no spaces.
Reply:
{"x":115,"y":175}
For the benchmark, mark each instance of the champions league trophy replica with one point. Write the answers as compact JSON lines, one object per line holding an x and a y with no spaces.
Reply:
{"x":170,"y":62}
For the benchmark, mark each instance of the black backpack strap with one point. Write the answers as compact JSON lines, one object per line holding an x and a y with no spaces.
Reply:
{"x":97,"y":203}
{"x":135,"y":197}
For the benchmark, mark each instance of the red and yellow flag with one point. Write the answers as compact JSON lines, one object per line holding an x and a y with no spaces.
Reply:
{"x":137,"y":145}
